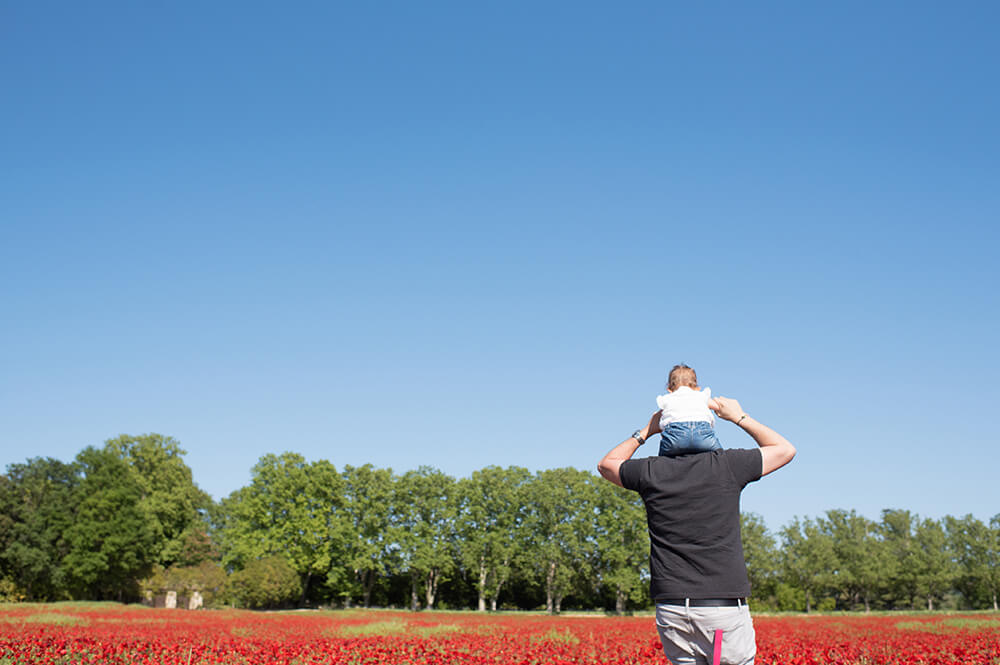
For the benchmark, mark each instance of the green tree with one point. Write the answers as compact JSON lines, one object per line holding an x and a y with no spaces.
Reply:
{"x":291,"y":508}
{"x":559,"y":529}
{"x":977,"y":552}
{"x":368,"y":494}
{"x":761,"y":554}
{"x":111,"y":541}
{"x":933,"y":560}
{"x":175,"y":505}
{"x":36,"y":509}
{"x":859,"y":552}
{"x":621,"y":543}
{"x":490,"y":515}
{"x":426,"y":505}
{"x":808,"y":560}
{"x":897,"y":529}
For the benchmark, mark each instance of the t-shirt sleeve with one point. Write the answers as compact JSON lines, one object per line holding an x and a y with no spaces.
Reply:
{"x":745,"y":465}
{"x":630,"y":473}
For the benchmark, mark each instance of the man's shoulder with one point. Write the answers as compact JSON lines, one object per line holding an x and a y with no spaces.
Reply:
{"x":657,"y":467}
{"x":745,"y":464}
{"x":633,"y":471}
{"x":640,"y":472}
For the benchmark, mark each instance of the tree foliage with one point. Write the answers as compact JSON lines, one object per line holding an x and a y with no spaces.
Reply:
{"x":94,"y":527}
{"x":368,"y":509}
{"x":292,"y":508}
{"x":37,"y":505}
{"x":112,"y":541}
{"x":127,"y":517}
{"x":491,"y":512}
{"x":174,"y":505}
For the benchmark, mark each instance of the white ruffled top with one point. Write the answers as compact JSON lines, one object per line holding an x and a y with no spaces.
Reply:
{"x":685,"y":405}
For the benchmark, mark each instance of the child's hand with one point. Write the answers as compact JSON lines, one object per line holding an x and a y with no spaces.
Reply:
{"x":729,"y":409}
{"x":714,"y":404}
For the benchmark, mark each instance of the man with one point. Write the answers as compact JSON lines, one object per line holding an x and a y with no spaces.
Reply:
{"x":699,"y":577}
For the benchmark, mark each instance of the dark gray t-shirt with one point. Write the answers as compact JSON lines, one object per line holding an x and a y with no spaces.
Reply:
{"x":693,"y":512}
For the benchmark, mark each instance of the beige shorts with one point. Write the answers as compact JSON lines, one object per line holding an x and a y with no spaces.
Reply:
{"x":688,"y":633}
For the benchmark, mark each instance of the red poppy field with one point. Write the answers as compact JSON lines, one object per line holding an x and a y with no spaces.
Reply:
{"x":50,"y":634}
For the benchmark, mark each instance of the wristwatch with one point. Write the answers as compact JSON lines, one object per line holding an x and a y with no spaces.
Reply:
{"x":638,"y":437}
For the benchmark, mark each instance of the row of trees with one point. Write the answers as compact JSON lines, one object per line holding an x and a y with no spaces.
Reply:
{"x":128,"y":518}
{"x":848,"y":561}
{"x":365,"y":532}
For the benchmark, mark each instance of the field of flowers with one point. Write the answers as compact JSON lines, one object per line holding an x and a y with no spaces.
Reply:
{"x":66,"y":633}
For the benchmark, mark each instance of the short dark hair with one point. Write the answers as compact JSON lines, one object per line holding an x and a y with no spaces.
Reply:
{"x":681,"y":375}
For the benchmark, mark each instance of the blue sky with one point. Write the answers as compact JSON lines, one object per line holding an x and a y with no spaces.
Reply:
{"x":465,"y":234}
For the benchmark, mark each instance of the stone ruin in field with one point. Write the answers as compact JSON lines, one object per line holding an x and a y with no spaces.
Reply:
{"x":171,"y":601}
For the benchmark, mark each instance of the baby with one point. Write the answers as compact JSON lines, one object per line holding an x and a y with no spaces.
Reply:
{"x":686,"y":418}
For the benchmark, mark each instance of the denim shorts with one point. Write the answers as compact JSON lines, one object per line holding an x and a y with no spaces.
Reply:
{"x":688,"y":437}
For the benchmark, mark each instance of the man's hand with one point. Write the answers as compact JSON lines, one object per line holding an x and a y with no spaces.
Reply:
{"x":653,"y":427}
{"x":775,"y":450}
{"x":608,"y":467}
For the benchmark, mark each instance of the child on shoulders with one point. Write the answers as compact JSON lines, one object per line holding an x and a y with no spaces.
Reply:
{"x":686,"y":418}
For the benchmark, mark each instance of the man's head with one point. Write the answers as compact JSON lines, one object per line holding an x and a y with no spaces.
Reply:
{"x":682,"y":375}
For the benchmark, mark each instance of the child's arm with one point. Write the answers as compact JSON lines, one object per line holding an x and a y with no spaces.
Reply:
{"x":711,"y":402}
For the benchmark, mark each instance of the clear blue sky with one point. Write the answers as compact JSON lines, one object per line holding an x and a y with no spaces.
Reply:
{"x":463,"y":234}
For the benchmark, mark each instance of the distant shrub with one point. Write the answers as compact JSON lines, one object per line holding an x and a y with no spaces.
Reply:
{"x":10,"y":592}
{"x":826,"y":604}
{"x":267,"y":582}
{"x":789,"y":598}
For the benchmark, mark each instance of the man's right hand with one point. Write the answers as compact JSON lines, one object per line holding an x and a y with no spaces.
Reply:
{"x":775,"y":450}
{"x":653,"y":427}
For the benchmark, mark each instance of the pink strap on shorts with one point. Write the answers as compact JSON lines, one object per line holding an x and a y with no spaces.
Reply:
{"x":717,"y":655}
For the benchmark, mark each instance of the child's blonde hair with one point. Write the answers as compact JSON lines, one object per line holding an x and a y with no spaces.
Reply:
{"x":681,"y":375}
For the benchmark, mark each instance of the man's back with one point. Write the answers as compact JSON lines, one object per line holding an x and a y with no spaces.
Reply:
{"x":693,"y":513}
{"x":696,"y":554}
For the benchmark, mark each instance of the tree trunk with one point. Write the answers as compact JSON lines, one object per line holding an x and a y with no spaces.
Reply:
{"x":431,"y":588}
{"x":414,"y":601}
{"x":868,"y":607}
{"x":550,"y":578}
{"x":619,"y":600}
{"x":559,"y":598}
{"x":500,"y":581}
{"x":305,"y":589}
{"x":808,"y":603}
{"x":930,"y":603}
{"x":369,"y":582}
{"x":482,"y":585}
{"x":994,"y":600}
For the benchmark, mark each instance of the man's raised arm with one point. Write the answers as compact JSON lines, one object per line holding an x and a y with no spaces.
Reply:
{"x":624,"y":450}
{"x":775,"y":450}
